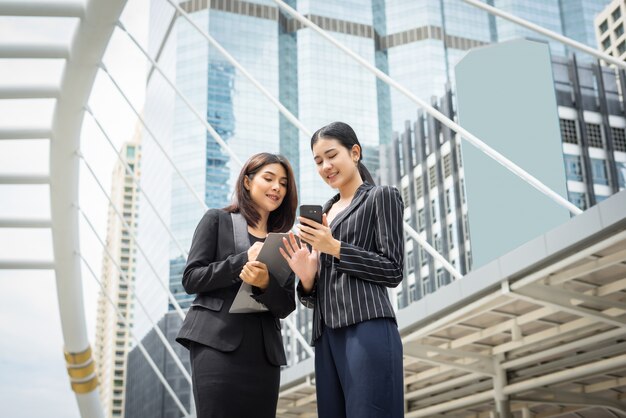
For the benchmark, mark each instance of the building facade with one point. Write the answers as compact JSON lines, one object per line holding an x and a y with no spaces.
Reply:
{"x":145,"y":395}
{"x":428,"y":168}
{"x":118,"y":279}
{"x":609,"y":29}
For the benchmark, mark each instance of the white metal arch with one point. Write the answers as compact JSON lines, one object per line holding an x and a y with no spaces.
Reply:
{"x":82,"y":58}
{"x":86,"y":51}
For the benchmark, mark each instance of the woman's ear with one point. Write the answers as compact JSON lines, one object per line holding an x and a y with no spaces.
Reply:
{"x":246,"y":183}
{"x":356,"y":153}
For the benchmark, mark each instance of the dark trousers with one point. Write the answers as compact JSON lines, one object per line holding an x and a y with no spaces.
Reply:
{"x":359,"y":372}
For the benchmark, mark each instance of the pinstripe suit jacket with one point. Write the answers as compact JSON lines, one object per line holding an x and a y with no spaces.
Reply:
{"x":353,"y":288}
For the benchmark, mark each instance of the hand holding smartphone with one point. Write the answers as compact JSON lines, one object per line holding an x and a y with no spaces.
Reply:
{"x":312,"y":212}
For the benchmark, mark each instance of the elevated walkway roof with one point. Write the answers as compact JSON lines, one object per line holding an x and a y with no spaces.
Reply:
{"x":543,"y":327}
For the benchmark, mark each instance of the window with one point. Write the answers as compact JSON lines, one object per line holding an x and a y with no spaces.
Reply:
{"x":594,"y":135}
{"x":423,"y":256}
{"x":579,"y":199}
{"x":437,"y":240}
{"x":568,"y":131}
{"x":619,"y":139}
{"x":451,"y":237}
{"x":619,"y":30}
{"x":432,"y":178}
{"x":412,"y":292}
{"x":604,"y":26}
{"x":426,"y":286}
{"x":573,"y":169}
{"x":419,"y":189}
{"x":621,"y":174}
{"x":410,"y":262}
{"x":447,"y":167}
{"x":598,"y":169}
{"x":440,"y":278}
{"x":606,"y":43}
{"x":617,"y":13}
{"x":130,"y":153}
{"x":448,"y":200}
{"x":463,"y":191}
{"x":405,"y":196}
{"x":621,"y":48}
{"x":433,"y":210}
{"x":421,"y":220}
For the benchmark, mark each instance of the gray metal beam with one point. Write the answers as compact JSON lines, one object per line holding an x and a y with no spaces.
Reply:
{"x":25,"y":133}
{"x":561,"y":397}
{"x":25,"y":223}
{"x":550,"y":296}
{"x":29,"y":92}
{"x":481,"y":365}
{"x":14,"y":179}
{"x":34,"y":50}
{"x":26,"y":265}
{"x":42,"y":8}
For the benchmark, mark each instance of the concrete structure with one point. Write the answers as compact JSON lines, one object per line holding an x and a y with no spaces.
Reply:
{"x":538,"y":331}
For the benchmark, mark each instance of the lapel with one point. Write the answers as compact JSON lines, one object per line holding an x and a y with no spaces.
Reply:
{"x":240,"y":233}
{"x":360,"y":194}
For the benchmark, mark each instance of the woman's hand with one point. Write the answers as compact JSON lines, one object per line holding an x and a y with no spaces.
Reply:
{"x":256,"y":274}
{"x":319,"y":236}
{"x":253,"y":251}
{"x":302,"y":261}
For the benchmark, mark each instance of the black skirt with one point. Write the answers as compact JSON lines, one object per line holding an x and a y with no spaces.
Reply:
{"x":236,"y":384}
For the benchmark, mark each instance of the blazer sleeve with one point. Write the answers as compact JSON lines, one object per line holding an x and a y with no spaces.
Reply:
{"x":384,"y":266}
{"x":280,"y":300}
{"x":203,"y":273}
{"x":308,"y":299}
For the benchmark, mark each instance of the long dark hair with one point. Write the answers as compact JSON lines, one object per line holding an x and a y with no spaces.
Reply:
{"x":281,"y":219}
{"x":346,"y":136}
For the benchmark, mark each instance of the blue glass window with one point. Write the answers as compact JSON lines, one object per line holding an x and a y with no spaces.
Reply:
{"x":598,"y":168}
{"x":579,"y":199}
{"x":621,"y":174}
{"x":573,"y":169}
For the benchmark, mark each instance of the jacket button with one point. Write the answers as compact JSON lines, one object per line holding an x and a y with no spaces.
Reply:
{"x":328,"y":262}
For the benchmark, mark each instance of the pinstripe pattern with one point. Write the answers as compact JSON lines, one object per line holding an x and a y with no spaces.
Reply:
{"x":353,"y":289}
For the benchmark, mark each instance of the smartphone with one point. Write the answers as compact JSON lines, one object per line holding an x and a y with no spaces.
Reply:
{"x":312,"y":212}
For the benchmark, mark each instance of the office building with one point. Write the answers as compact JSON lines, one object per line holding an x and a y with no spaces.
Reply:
{"x":429,"y":171}
{"x":118,"y":277}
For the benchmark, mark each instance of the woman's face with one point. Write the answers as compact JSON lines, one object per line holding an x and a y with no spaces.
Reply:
{"x":335,"y":163}
{"x":268,"y":187}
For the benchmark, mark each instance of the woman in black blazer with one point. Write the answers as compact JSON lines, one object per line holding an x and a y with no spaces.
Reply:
{"x":236,"y":357}
{"x":358,"y":252}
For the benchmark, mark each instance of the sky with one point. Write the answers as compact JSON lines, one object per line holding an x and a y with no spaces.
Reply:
{"x":33,"y":379}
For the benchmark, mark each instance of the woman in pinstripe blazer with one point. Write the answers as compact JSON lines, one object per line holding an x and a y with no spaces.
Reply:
{"x":357,"y":253}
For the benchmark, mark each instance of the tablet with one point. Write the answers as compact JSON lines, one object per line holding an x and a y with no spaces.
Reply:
{"x":277,"y":266}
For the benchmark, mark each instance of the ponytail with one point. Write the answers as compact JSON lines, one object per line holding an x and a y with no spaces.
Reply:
{"x":365,"y":174}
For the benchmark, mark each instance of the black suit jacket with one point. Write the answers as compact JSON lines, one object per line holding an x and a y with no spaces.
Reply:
{"x":353,"y":288}
{"x":212,"y":272}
